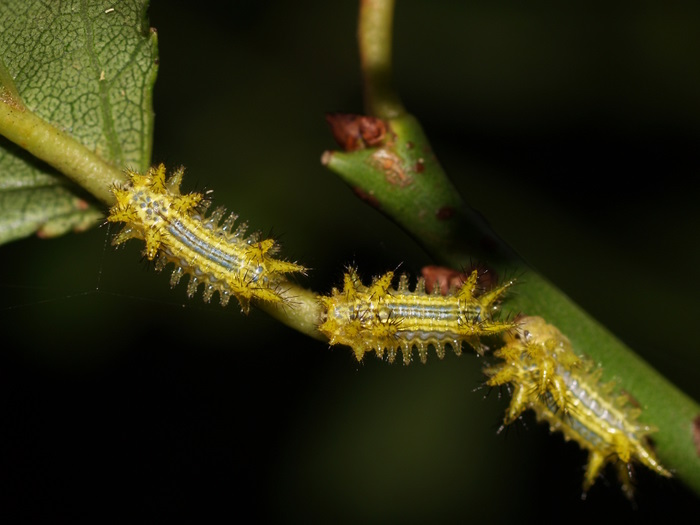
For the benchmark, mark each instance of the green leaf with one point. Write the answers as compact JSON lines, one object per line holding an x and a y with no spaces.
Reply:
{"x":86,"y":67}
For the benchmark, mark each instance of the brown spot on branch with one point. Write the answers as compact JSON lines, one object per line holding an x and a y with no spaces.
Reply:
{"x":445,"y":213}
{"x":419,"y":166}
{"x":11,"y":99}
{"x":368,"y":198}
{"x":447,"y":278}
{"x":391,"y":165}
{"x":696,"y":434}
{"x":353,"y":132}
{"x":443,"y":277}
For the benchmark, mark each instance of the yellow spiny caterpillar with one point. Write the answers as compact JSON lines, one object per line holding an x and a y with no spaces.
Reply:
{"x":564,"y":390}
{"x":176,"y":230}
{"x":380,"y":318}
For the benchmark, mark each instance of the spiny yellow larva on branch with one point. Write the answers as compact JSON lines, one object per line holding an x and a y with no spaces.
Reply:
{"x":564,"y":389}
{"x":378,"y":317}
{"x":212,"y":253}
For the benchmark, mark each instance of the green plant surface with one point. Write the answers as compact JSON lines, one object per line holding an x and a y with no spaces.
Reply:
{"x":76,"y":79}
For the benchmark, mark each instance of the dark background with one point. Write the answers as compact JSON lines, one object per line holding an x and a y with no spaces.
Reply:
{"x":572,"y":126}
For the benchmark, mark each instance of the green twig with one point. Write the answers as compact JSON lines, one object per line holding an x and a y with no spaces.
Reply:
{"x":374,"y":29}
{"x":58,"y":149}
{"x":300,"y":310}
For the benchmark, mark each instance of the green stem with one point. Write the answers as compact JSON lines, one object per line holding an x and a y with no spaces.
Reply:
{"x":375,"y":24}
{"x":58,"y":149}
{"x":301,"y":310}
